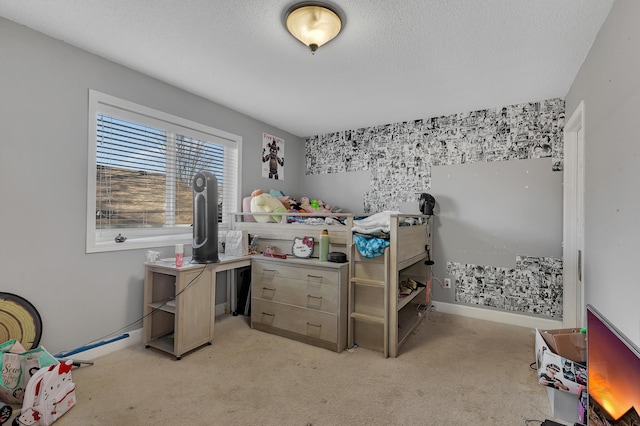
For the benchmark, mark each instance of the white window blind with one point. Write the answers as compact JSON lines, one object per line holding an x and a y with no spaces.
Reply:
{"x":141,"y":168}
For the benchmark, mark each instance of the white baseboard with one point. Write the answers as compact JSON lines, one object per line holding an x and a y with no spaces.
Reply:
{"x":134,"y":338}
{"x":497,"y":316}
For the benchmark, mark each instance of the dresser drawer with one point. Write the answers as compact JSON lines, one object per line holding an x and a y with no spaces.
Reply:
{"x":308,"y":274}
{"x":304,"y":293}
{"x":305,"y":322}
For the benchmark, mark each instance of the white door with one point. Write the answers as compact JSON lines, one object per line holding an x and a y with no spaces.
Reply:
{"x":573,"y":220}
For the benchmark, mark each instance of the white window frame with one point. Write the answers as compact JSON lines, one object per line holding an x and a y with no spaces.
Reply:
{"x":104,"y":240}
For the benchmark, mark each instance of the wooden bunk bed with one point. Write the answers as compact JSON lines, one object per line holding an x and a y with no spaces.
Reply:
{"x":337,"y":305}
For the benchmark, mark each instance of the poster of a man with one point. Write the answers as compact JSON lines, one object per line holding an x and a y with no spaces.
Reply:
{"x":549,"y":378}
{"x":272,"y":157}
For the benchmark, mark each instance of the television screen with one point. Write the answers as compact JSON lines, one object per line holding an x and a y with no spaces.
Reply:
{"x":613,"y":366}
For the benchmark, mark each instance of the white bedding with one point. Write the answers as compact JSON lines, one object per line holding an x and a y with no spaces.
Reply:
{"x":379,"y":222}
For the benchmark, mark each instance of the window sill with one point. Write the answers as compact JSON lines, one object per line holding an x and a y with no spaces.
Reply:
{"x":135,"y":243}
{"x":146,"y":242}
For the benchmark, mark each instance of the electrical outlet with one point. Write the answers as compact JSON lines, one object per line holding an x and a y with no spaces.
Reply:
{"x":447,"y":283}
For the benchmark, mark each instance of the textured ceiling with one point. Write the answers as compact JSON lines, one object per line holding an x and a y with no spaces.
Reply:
{"x":395,"y":60}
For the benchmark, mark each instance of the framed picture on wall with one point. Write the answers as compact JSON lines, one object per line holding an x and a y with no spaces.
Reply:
{"x":272,"y":157}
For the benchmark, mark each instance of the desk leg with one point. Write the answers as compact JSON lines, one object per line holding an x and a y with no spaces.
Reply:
{"x":232,"y":291}
{"x":213,"y":305}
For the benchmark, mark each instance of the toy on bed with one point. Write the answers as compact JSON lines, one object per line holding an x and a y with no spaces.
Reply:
{"x":287,"y":201}
{"x":313,"y":206}
{"x":276,"y":202}
{"x":261,"y":202}
{"x":294,"y":205}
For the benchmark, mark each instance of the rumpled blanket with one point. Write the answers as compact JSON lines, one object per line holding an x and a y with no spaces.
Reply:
{"x":316,"y":220}
{"x":376,"y":223}
{"x":370,"y":246}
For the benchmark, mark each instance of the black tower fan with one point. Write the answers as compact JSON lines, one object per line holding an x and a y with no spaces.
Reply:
{"x":205,"y":218}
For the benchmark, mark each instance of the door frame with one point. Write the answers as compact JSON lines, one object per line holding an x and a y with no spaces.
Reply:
{"x":573,"y":220}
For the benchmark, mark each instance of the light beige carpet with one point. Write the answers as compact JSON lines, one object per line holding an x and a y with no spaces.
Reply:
{"x":453,"y":371}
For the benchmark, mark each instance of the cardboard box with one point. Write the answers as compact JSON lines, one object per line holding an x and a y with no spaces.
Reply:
{"x":556,"y":367}
{"x":567,"y":342}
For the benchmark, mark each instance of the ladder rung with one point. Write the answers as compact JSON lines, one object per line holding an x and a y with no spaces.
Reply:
{"x":365,"y":281}
{"x":369,"y":318}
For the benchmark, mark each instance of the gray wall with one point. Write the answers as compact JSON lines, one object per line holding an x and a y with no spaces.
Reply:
{"x":609,"y":84}
{"x":43,"y":173}
{"x":496,"y":176}
{"x":490,"y":213}
{"x":345,"y":190}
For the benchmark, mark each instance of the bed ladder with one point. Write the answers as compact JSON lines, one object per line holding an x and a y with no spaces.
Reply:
{"x":368,"y":281}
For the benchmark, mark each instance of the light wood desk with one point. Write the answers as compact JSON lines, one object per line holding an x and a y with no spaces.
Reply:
{"x":179,"y":303}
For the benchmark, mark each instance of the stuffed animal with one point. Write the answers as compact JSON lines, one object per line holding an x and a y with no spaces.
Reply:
{"x":285,"y":202}
{"x":284,"y":199}
{"x":266,"y":203}
{"x":313,"y":206}
{"x":294,"y":205}
{"x":320,"y":206}
{"x":305,"y":204}
{"x":326,"y":208}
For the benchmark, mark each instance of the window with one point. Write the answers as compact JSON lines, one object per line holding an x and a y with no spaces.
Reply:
{"x":141,"y":167}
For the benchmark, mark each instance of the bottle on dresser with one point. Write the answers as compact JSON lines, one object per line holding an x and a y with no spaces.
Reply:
{"x":324,"y":245}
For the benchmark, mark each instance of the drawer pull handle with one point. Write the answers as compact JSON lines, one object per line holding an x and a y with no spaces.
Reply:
{"x":315,"y":279}
{"x":314,"y":297}
{"x":268,"y":289}
{"x":270,"y":270}
{"x":314,"y":325}
{"x":268,"y":314}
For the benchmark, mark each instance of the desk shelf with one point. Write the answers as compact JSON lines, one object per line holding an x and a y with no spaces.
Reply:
{"x":178,"y":308}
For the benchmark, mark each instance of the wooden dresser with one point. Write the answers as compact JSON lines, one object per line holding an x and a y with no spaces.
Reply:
{"x":301,"y":299}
